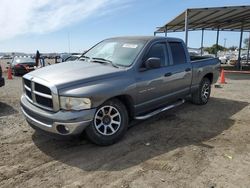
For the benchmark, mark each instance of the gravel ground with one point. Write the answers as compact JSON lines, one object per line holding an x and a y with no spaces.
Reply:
{"x":190,"y":146}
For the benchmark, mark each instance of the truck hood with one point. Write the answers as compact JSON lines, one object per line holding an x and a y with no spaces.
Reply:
{"x":66,"y":73}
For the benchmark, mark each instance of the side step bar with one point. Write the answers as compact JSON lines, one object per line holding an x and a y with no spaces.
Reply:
{"x":160,"y":110}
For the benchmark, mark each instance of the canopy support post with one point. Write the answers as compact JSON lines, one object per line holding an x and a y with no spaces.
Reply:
{"x":217,"y":42}
{"x":166,"y":31}
{"x":202,"y":39}
{"x":186,"y":27}
{"x":248,"y":49}
{"x":240,"y":45}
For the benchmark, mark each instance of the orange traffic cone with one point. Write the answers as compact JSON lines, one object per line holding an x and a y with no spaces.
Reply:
{"x":9,"y":73}
{"x":222,"y":77}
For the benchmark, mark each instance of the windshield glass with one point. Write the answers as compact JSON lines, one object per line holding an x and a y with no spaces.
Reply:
{"x":119,"y":52}
{"x":23,"y":61}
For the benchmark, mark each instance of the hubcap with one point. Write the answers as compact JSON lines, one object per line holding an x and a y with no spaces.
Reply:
{"x":107,"y":120}
{"x":205,"y":92}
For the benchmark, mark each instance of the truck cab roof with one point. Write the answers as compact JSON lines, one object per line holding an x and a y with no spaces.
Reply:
{"x":146,"y":38}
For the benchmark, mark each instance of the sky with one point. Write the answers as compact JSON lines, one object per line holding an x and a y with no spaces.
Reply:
{"x":76,"y":25}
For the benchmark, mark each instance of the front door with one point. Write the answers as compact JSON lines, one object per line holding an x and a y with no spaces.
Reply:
{"x":150,"y":83}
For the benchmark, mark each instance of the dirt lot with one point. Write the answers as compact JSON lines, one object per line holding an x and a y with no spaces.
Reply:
{"x":190,"y":146}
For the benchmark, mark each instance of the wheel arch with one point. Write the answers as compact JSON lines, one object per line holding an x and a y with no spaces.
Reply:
{"x":128,"y":102}
{"x":210,"y":76}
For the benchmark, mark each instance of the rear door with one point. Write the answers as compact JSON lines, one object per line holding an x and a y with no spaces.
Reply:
{"x":179,"y":72}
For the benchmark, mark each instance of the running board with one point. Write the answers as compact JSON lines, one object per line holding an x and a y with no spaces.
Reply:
{"x":160,"y":110}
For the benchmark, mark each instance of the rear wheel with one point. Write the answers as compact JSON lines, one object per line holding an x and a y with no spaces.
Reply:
{"x":15,"y":73}
{"x":202,"y":95}
{"x":110,"y":123}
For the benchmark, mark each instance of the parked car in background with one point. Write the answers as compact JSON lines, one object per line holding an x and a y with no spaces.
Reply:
{"x":63,"y":57}
{"x":193,"y":54}
{"x":73,"y":57}
{"x":68,"y":57}
{"x":22,"y":65}
{"x":1,"y":77}
{"x":223,"y":60}
{"x":244,"y":56}
{"x":7,"y":57}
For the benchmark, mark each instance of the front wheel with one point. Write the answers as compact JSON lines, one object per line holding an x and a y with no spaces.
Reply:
{"x":202,"y":95}
{"x":109,"y":124}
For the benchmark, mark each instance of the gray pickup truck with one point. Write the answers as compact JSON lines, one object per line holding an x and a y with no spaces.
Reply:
{"x":1,"y":77}
{"x":116,"y":81}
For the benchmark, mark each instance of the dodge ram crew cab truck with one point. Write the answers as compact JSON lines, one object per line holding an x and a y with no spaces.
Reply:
{"x":1,"y":78}
{"x":116,"y":81}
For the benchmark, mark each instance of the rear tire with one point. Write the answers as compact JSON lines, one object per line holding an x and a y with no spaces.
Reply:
{"x":109,"y":124}
{"x":15,"y":73}
{"x":202,"y":95}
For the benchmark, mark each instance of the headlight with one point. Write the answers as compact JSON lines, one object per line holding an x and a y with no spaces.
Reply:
{"x":72,"y":103}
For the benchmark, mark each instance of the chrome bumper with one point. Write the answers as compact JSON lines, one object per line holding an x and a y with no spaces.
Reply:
{"x":74,"y":122}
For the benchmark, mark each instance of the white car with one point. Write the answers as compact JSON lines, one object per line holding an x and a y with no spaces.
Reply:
{"x":224,"y":59}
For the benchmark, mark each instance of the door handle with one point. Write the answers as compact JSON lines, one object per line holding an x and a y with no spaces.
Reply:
{"x":168,"y":74}
{"x":188,"y":69}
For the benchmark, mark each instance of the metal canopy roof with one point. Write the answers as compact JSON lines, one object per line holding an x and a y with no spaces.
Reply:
{"x":222,"y":18}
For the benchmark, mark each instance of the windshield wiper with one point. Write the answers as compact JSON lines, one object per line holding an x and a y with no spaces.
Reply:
{"x":102,"y":60}
{"x":83,"y":56}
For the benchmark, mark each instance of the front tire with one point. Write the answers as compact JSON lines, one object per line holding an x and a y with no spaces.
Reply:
{"x":202,"y":95}
{"x":109,"y":124}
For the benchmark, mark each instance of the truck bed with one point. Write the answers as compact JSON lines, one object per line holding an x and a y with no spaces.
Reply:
{"x":202,"y":66}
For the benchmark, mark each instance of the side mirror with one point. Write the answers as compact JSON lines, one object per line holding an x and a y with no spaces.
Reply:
{"x":153,"y":63}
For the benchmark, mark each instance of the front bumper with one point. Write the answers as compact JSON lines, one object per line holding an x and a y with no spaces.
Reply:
{"x":73,"y":122}
{"x":2,"y":82}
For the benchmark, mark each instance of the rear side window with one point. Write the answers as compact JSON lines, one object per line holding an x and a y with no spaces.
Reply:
{"x":178,"y":53}
{"x":158,"y":51}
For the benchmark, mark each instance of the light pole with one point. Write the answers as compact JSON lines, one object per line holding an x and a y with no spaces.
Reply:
{"x":69,"y":42}
{"x":225,"y":41}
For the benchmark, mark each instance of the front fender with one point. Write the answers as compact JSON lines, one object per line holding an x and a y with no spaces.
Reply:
{"x":102,"y":90}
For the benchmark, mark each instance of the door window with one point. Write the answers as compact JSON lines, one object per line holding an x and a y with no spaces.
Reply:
{"x":158,"y":51}
{"x":178,"y":53}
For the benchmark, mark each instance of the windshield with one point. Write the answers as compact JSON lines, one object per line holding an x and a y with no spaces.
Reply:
{"x":23,"y":61}
{"x":119,"y":52}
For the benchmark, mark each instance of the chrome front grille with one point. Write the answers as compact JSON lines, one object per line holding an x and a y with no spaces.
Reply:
{"x":40,"y":93}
